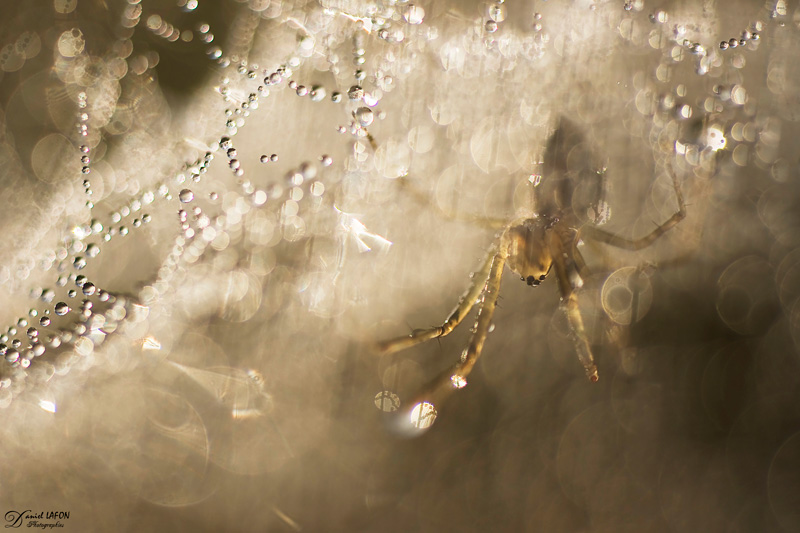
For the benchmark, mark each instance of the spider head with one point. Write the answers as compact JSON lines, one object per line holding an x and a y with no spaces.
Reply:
{"x":529,"y":250}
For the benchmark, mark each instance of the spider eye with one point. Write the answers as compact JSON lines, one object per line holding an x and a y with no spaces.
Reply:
{"x":532,"y":281}
{"x":541,"y":278}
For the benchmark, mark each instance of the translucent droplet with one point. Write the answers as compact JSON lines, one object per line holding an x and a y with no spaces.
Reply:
{"x":44,"y":321}
{"x":12,"y":356}
{"x":186,"y":196}
{"x":414,"y":14}
{"x":89,"y":288}
{"x":318,"y":93}
{"x":355,"y":93}
{"x":62,"y":309}
{"x":423,"y":415}
{"x":458,"y":381}
{"x":497,"y":12}
{"x":364,"y":116}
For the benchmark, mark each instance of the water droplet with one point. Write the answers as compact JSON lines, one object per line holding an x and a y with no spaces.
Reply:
{"x":491,"y":26}
{"x":414,"y":14}
{"x":355,"y":93}
{"x":497,"y":12}
{"x":185,"y":196}
{"x":318,"y":93}
{"x":62,"y":309}
{"x":364,"y":116}
{"x":423,"y":415}
{"x":459,"y":382}
{"x":44,"y":321}
{"x":88,"y":288}
{"x":12,"y":356}
{"x":79,"y":263}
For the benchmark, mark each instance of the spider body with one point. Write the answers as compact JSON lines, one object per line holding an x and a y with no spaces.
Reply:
{"x":529,"y":248}
{"x":568,"y":204}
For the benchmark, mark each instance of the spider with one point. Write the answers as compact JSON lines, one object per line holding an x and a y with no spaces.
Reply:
{"x":532,"y":247}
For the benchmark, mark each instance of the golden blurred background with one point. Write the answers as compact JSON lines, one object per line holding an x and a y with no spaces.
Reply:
{"x":213,"y":209}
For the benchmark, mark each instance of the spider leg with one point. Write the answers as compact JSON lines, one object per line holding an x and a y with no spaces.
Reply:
{"x":455,"y":377}
{"x":645,"y":241}
{"x":420,"y":197}
{"x":569,"y":299}
{"x":465,"y":304}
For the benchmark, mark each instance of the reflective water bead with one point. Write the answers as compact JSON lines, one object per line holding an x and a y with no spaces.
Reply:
{"x":336,"y":97}
{"x":355,"y":92}
{"x":12,"y":356}
{"x":364,"y":116}
{"x":62,"y":309}
{"x":497,"y":12}
{"x":44,"y":321}
{"x":414,"y":14}
{"x":88,"y":288}
{"x":92,"y":250}
{"x":186,"y":195}
{"x":318,"y":93}
{"x":79,"y":263}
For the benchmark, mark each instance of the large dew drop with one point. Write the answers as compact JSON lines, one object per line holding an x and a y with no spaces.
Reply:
{"x":186,"y":196}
